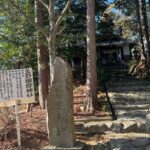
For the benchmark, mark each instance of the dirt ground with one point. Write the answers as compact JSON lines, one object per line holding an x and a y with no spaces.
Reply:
{"x":33,"y":132}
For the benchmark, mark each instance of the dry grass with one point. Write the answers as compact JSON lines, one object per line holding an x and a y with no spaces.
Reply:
{"x":5,"y":116}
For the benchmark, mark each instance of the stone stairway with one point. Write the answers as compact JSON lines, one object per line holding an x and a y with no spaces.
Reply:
{"x":131,"y":131}
{"x":131,"y":101}
{"x":130,"y":96}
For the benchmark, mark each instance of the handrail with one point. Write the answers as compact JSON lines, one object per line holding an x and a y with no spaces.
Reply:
{"x":114,"y":117}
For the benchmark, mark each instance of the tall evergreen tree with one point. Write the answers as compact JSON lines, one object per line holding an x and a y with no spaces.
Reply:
{"x":42,"y":54}
{"x":139,"y":20}
{"x":91,"y":78}
{"x":145,"y":28}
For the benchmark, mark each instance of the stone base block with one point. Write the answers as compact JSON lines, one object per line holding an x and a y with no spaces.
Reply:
{"x":59,"y":148}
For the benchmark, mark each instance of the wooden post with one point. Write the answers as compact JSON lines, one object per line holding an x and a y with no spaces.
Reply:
{"x":18,"y":124}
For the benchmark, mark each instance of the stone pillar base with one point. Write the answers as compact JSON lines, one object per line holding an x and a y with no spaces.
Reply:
{"x":59,"y":148}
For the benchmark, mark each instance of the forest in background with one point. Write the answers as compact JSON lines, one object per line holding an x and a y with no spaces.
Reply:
{"x":26,"y":31}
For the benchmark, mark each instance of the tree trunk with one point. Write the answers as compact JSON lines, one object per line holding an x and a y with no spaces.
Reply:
{"x":91,"y":79}
{"x":52,"y":38}
{"x":143,"y":55}
{"x":42,"y":56}
{"x":145,"y":28}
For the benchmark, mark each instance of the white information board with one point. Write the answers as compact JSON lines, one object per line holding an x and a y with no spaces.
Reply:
{"x":16,"y":85}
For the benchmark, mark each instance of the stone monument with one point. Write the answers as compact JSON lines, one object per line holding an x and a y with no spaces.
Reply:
{"x":60,"y":109}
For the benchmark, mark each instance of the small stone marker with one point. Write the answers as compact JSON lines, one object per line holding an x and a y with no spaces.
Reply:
{"x":60,"y":108}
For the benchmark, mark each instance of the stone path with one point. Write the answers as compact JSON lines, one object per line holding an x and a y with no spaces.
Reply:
{"x":131,"y":131}
{"x":131,"y":102}
{"x":130,"y":96}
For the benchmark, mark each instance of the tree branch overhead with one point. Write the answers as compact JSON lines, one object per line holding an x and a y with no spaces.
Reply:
{"x":64,"y":11}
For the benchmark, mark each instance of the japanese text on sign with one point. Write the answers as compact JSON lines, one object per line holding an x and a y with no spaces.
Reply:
{"x":16,"y":84}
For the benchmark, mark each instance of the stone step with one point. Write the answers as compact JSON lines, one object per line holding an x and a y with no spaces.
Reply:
{"x":135,"y":107}
{"x":119,"y":126}
{"x":94,"y":142}
{"x":128,"y":83}
{"x":130,"y":97}
{"x":131,"y":88}
{"x":131,"y":103}
{"x":88,"y":119}
{"x":130,"y":109}
{"x":113,"y":141}
{"x":131,"y":100}
{"x":129,"y":141}
{"x":131,"y":114}
{"x":124,"y":103}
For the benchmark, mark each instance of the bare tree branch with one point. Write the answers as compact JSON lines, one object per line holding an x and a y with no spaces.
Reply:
{"x":29,"y":19}
{"x":64,"y":11}
{"x":44,"y":4}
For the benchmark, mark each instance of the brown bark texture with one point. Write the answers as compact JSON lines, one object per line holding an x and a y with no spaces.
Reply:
{"x":145,"y":27}
{"x":42,"y":56}
{"x":143,"y":55}
{"x":91,"y":80}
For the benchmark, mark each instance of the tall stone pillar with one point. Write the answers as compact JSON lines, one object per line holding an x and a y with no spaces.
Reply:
{"x":60,"y":109}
